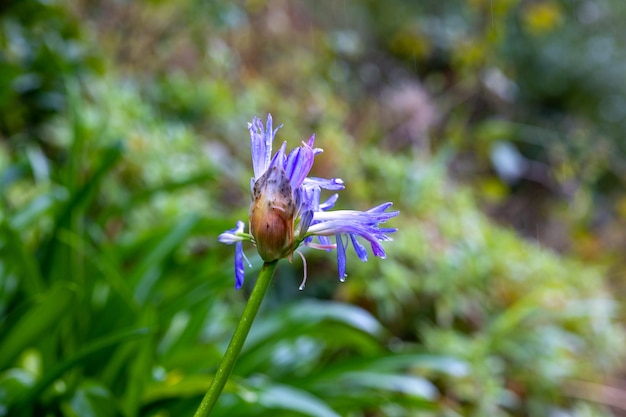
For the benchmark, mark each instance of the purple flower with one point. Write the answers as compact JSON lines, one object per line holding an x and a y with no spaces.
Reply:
{"x":286,"y":211}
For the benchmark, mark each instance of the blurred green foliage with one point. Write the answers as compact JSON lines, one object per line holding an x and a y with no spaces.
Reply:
{"x":40,"y":46}
{"x":116,"y":298}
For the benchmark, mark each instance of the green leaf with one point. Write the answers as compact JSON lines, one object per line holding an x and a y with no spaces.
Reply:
{"x":15,"y":251}
{"x":334,"y":324}
{"x":315,"y":312}
{"x":14,"y":383}
{"x":166,"y":187}
{"x":36,"y":209}
{"x":140,"y":366}
{"x":80,"y":357}
{"x":79,"y":200}
{"x":288,"y":398}
{"x":42,"y":318}
{"x":146,"y":273}
{"x":404,"y":384}
{"x":92,"y":399}
{"x":179,"y":386}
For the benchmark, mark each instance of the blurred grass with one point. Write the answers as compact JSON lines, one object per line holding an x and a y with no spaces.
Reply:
{"x":116,"y":298}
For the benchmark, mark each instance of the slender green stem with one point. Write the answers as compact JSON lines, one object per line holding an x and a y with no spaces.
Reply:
{"x":237,"y":341}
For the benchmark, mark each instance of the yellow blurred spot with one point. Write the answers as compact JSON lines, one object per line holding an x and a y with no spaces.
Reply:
{"x":587,"y":246}
{"x":470,"y":53}
{"x":493,"y":190}
{"x":174,"y":377}
{"x":542,"y":17}
{"x":621,"y":207}
{"x":32,"y":362}
{"x":410,"y":45}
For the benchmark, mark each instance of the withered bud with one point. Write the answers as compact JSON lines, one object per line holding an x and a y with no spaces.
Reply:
{"x":272,"y":214}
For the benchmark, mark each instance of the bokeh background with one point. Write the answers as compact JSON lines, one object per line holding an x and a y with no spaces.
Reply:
{"x":495,"y":126}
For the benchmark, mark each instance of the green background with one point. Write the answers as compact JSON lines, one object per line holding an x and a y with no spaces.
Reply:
{"x":495,"y":126}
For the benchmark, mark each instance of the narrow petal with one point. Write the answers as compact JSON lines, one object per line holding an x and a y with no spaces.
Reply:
{"x":233,"y":235}
{"x":261,"y":144}
{"x":366,"y":217}
{"x":305,"y":221}
{"x":341,"y":258}
{"x":313,"y":198}
{"x":358,"y":248}
{"x":298,"y":164}
{"x":380,"y":208}
{"x":324,"y":240}
{"x":377,"y":249}
{"x":330,"y":203}
{"x":330,"y":228}
{"x":363,"y":224}
{"x":279,"y":157}
{"x":258,"y":147}
{"x":327,"y":184}
{"x":239,"y":269}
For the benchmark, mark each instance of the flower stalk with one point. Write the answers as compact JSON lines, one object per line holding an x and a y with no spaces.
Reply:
{"x":236,"y":342}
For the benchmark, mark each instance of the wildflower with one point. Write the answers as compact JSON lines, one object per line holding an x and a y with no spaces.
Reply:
{"x":286,"y":211}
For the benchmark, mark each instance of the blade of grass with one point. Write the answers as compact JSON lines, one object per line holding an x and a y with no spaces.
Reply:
{"x":78,"y":201}
{"x":146,"y":194}
{"x":24,"y":261}
{"x":81,"y":356}
{"x":146,"y":273}
{"x":40,"y":319}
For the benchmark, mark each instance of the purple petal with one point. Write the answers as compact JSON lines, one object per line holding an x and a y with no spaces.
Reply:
{"x":261,"y":144}
{"x":305,"y":221}
{"x":330,"y":203}
{"x":312,"y":198}
{"x":260,"y":150}
{"x":239,"y":270}
{"x":366,"y":231}
{"x":327,"y":184}
{"x":279,"y":157}
{"x":298,"y":165}
{"x":377,"y":249}
{"x":341,"y":258}
{"x":381,"y":208}
{"x":324,"y":240}
{"x":231,"y":236}
{"x":362,"y":217}
{"x":358,"y":248}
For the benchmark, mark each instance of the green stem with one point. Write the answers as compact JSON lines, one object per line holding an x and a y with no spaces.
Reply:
{"x":237,"y":341}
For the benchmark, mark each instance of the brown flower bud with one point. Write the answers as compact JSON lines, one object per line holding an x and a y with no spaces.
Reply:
{"x":272,"y":214}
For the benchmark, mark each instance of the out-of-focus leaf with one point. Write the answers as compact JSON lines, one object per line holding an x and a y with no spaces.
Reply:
{"x":36,"y":209}
{"x":332,"y":323}
{"x":288,"y":398}
{"x":14,"y":383}
{"x":140,"y":366}
{"x":168,"y":187}
{"x":79,"y":200}
{"x":392,"y":362}
{"x":80,"y":357}
{"x":146,"y":273}
{"x":92,"y":399}
{"x":15,"y":251}
{"x":313,"y":312}
{"x":403,"y":384}
{"x":42,"y":318}
{"x":178,"y":385}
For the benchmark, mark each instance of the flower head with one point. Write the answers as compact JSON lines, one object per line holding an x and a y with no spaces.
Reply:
{"x":286,"y":211}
